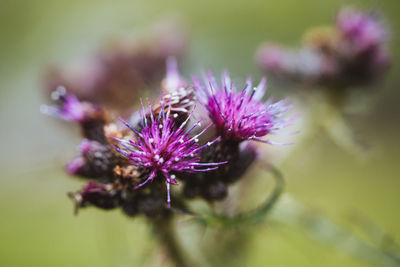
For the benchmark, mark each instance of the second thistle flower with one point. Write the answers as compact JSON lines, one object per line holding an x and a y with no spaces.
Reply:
{"x":241,"y":115}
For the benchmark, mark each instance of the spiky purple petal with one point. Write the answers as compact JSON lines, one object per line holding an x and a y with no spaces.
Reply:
{"x":240,"y":116}
{"x":164,"y":149}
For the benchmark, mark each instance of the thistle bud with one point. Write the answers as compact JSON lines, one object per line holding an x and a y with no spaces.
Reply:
{"x":95,"y":161}
{"x":98,"y":195}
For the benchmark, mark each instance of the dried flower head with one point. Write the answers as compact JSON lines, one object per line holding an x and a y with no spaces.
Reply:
{"x":163,"y":149}
{"x":239,"y":116}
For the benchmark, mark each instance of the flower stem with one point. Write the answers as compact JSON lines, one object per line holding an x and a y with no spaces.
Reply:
{"x":252,"y":216}
{"x":165,"y":232}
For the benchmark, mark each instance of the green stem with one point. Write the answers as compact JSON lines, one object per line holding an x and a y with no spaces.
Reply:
{"x":324,"y":230}
{"x":252,"y":216}
{"x":165,"y":231}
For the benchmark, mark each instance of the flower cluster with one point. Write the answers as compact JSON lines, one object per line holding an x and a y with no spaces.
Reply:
{"x":352,"y":53}
{"x":134,"y":162}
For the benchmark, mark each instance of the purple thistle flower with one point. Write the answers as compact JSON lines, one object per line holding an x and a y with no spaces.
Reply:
{"x":173,"y":80}
{"x":178,"y":93}
{"x":69,"y":107}
{"x":162,"y":148}
{"x":272,"y":57}
{"x":76,"y":165}
{"x":363,"y":30}
{"x":240,"y":116}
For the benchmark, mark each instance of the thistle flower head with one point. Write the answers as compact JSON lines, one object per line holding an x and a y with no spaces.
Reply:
{"x":96,"y":194}
{"x":117,"y":74}
{"x":363,"y":30}
{"x":304,"y":64}
{"x":94,"y":161}
{"x":240,"y":116}
{"x":351,"y":54}
{"x":69,"y":107}
{"x":178,"y":93}
{"x":164,"y":149}
{"x":173,"y":80}
{"x":271,"y":57}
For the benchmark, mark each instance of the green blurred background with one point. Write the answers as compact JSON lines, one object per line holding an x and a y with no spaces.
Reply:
{"x":37,"y":226}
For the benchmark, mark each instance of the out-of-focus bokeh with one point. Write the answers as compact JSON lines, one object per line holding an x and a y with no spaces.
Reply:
{"x":37,"y":226}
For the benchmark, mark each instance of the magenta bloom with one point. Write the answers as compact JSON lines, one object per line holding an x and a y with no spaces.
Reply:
{"x":70,"y":108}
{"x":240,"y":116}
{"x":165,"y":149}
{"x":363,"y":30}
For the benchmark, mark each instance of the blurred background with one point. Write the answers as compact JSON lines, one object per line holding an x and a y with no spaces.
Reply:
{"x":37,"y":226}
